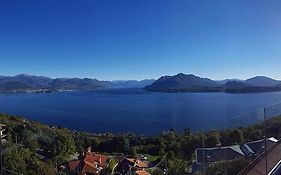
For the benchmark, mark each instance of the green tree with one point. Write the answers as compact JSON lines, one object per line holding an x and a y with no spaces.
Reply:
{"x":227,"y":167}
{"x":63,"y":147}
{"x":15,"y":160}
{"x":212,"y":139}
{"x":236,"y":136}
{"x":177,"y":167}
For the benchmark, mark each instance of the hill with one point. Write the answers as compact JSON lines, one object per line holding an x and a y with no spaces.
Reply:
{"x":192,"y":83}
{"x":262,"y":81}
{"x":182,"y":82}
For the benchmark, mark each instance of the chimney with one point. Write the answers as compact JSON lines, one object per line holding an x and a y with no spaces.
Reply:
{"x":219,"y":145}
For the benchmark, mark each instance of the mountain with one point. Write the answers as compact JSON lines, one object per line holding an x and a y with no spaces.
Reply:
{"x":262,"y":81}
{"x":131,"y":83}
{"x":183,"y":82}
{"x":227,"y":80}
{"x":31,"y":80}
{"x":192,"y":83}
{"x":176,"y":83}
{"x":24,"y":82}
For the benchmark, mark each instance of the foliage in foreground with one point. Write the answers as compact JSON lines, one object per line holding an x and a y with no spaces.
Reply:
{"x":55,"y":144}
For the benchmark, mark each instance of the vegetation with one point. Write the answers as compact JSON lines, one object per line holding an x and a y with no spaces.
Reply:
{"x":227,"y":167}
{"x":34,"y":148}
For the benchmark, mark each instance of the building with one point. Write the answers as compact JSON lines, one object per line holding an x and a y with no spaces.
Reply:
{"x":128,"y":165}
{"x":214,"y":155}
{"x":2,"y":135}
{"x":255,"y":148}
{"x":88,"y":164}
{"x":217,"y":154}
{"x":272,"y":160}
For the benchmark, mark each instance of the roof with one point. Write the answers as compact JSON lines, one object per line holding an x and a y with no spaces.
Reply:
{"x":88,"y":163}
{"x":137,"y":163}
{"x":257,"y":147}
{"x":142,"y":172}
{"x":98,"y":158}
{"x":273,"y":159}
{"x":126,"y":164}
{"x":219,"y":154}
{"x":276,"y":170}
{"x":72,"y":165}
{"x":89,"y":167}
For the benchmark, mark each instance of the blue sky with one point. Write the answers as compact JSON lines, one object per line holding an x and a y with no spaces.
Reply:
{"x":137,"y":39}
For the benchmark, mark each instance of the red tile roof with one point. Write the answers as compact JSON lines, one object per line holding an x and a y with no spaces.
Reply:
{"x":89,"y":163}
{"x":142,"y":172}
{"x":89,"y":168}
{"x":138,"y":163}
{"x":72,"y":165}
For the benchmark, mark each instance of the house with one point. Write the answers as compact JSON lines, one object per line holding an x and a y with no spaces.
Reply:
{"x":255,"y":148}
{"x":88,"y":164}
{"x":137,"y":163}
{"x":214,"y":155}
{"x":2,"y":135}
{"x":272,"y":160}
{"x":217,"y":154}
{"x":131,"y":164}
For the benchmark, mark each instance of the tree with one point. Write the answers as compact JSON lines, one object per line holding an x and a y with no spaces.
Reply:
{"x":232,"y":167}
{"x":177,"y":167}
{"x":15,"y":160}
{"x":63,"y":147}
{"x":236,"y":136}
{"x":26,"y":162}
{"x":212,"y":139}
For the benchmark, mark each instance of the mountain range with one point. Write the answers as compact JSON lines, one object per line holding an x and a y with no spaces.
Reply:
{"x":191,"y":83}
{"x":24,"y":82}
{"x":176,"y":83}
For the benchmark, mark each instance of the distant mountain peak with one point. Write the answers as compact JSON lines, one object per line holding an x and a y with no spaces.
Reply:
{"x":24,"y":75}
{"x":191,"y":83}
{"x":262,"y":81}
{"x":181,"y":81}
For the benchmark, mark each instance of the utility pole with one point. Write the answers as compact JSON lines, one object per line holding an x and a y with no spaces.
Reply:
{"x":2,"y":140}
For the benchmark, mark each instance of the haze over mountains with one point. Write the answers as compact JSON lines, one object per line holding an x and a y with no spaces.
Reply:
{"x":191,"y":83}
{"x":177,"y":83}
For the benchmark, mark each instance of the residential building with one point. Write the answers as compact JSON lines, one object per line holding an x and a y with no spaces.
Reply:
{"x":132,"y":165}
{"x":88,"y":164}
{"x":257,"y":147}
{"x":214,"y":155}
{"x":268,"y":163}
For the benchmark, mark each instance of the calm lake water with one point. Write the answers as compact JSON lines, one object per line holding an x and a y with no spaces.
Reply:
{"x":137,"y":111}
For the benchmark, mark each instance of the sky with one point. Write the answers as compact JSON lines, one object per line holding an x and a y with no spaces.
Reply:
{"x":139,"y":39}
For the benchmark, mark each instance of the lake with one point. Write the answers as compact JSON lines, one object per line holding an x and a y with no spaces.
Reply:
{"x":137,"y":111}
